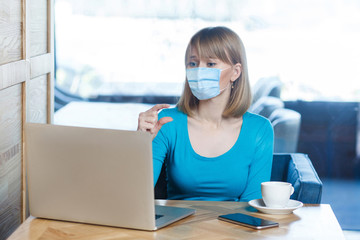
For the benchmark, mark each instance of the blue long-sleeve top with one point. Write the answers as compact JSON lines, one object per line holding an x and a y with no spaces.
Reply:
{"x":233,"y":176}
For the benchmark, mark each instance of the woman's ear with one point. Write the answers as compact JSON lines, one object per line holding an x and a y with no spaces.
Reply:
{"x":237,"y":72}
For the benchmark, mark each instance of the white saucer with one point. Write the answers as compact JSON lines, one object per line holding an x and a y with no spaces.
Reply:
{"x":290,"y":207}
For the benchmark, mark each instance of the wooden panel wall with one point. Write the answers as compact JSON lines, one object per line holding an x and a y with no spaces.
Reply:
{"x":10,"y":31}
{"x":10,"y":158}
{"x":37,"y":100}
{"x":38,"y":27}
{"x":26,"y":95}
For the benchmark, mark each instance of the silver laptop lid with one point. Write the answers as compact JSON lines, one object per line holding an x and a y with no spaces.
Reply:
{"x":90,"y":175}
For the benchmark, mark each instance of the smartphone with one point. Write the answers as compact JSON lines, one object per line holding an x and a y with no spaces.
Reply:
{"x":248,"y":221}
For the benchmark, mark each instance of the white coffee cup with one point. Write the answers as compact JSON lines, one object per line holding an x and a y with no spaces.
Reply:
{"x":276,"y":194}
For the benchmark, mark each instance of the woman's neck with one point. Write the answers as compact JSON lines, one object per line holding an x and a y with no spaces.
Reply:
{"x":211,"y":111}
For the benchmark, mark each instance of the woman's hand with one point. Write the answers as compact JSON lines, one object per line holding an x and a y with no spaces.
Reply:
{"x":148,"y":121}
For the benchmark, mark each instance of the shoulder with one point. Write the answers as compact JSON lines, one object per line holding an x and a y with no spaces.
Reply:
{"x":257,"y":125}
{"x":255,"y":119}
{"x":259,"y":128}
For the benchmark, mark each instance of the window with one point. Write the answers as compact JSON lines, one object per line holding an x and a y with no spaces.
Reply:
{"x":121,"y":47}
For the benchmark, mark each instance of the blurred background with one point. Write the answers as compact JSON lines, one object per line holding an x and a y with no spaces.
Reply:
{"x":137,"y":47}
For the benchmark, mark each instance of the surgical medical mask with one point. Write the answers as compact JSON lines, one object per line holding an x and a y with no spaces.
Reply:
{"x":204,"y":82}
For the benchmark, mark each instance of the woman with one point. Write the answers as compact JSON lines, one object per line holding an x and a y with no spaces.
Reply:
{"x":213,"y":148}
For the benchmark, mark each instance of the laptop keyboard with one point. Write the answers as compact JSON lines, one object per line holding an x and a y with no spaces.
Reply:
{"x":157,"y":216}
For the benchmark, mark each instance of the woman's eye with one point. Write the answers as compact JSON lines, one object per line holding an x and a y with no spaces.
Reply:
{"x":211,"y":64}
{"x":192,"y":64}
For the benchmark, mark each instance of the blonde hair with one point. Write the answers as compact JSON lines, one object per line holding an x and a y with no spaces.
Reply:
{"x":226,"y":45}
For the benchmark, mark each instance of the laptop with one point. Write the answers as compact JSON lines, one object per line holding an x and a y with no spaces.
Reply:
{"x":96,"y":176}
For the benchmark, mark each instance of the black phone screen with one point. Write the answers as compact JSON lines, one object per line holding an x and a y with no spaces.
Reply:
{"x":248,"y":220}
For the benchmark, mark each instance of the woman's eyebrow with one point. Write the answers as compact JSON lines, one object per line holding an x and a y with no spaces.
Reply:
{"x":205,"y":58}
